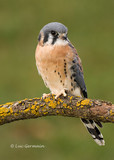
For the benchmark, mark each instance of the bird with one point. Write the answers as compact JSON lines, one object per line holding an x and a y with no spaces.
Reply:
{"x":60,"y":67}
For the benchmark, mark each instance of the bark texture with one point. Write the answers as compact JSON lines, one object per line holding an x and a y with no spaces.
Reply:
{"x":69,"y":106}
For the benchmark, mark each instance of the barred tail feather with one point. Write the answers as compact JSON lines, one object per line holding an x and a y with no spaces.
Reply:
{"x":94,"y":131}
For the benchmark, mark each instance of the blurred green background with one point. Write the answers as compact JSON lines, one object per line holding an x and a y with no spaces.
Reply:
{"x":91,"y":30}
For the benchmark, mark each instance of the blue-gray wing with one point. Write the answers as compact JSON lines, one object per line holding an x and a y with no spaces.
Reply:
{"x":77,"y":72}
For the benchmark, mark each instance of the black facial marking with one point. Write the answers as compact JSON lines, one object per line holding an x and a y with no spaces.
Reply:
{"x":61,"y":81}
{"x":71,"y":89}
{"x":55,"y":71}
{"x":71,"y":84}
{"x":54,"y":39}
{"x":55,"y":36}
{"x":70,"y":77}
{"x":46,"y":38}
{"x":39,"y":37}
{"x":58,"y":73}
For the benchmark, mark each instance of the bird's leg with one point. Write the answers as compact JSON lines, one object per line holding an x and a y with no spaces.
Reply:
{"x":46,"y":95}
{"x":62,"y":92}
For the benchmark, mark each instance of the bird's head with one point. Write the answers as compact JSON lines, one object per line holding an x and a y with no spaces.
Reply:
{"x":53,"y":34}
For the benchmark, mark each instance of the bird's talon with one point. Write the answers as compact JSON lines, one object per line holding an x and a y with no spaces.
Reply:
{"x":61,"y":93}
{"x":45,"y":95}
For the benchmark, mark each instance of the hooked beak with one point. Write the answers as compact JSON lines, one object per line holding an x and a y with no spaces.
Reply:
{"x":63,"y":36}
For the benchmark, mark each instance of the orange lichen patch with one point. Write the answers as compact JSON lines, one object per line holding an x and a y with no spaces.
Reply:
{"x":45,"y":113}
{"x":37,"y":107}
{"x":44,"y":109}
{"x":6,"y":104}
{"x":71,"y":97}
{"x":60,"y":100}
{"x":11,"y":110}
{"x":53,"y":96}
{"x":23,"y":104}
{"x":69,"y":107}
{"x":52,"y":104}
{"x":35,"y":102}
{"x":34,"y":112}
{"x":36,"y":98}
{"x":3,"y":110}
{"x":57,"y":111}
{"x":16,"y":114}
{"x":20,"y":102}
{"x":47,"y":99}
{"x":26,"y":110}
{"x":86,"y":102}
{"x":62,"y":111}
{"x":33,"y":106}
{"x":41,"y":98}
{"x":111,"y":112}
{"x":64,"y":105}
{"x":78,"y":104}
{"x":29,"y":99}
{"x":101,"y":117}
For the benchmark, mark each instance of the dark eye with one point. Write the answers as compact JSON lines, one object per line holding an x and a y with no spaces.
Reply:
{"x":53,"y":33}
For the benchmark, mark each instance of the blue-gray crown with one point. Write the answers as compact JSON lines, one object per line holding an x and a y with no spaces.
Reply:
{"x":58,"y":27}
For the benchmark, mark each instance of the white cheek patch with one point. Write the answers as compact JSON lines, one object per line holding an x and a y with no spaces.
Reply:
{"x":50,"y":39}
{"x":57,"y":42}
{"x":61,"y":42}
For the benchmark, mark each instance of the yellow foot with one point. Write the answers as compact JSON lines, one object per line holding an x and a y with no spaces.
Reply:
{"x":61,"y":93}
{"x":46,"y":95}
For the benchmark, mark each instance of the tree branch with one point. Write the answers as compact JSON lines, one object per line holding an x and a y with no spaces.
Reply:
{"x":69,"y":106}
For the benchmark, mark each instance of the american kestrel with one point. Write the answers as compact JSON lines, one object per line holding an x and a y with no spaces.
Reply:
{"x":60,"y":67}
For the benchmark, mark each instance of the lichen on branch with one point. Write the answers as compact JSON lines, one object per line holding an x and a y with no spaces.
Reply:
{"x":69,"y":106}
